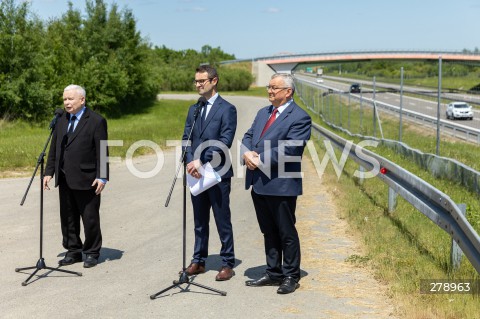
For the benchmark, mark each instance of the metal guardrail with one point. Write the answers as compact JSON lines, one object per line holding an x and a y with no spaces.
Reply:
{"x":470,"y":134}
{"x":431,"y":202}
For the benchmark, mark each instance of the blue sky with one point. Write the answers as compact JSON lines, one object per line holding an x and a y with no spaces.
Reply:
{"x":256,"y":28}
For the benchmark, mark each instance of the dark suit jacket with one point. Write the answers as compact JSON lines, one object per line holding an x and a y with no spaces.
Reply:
{"x":279,"y":175}
{"x":218,"y":130}
{"x":82,"y":151}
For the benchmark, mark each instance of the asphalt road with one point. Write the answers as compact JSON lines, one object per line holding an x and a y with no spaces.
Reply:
{"x":419,"y":105}
{"x":142,"y":253}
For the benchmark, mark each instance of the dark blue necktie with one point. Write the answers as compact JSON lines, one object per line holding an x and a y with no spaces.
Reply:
{"x":72,"y":125}
{"x":203,"y":117}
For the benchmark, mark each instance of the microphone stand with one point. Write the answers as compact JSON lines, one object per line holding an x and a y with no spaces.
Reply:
{"x":184,"y":279}
{"x":41,"y":262}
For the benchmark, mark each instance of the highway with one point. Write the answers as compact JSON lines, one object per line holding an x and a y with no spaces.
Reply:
{"x":415,"y":104}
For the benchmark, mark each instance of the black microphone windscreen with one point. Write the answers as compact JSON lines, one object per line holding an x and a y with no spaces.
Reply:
{"x":59,"y":112}
{"x":200,"y":104}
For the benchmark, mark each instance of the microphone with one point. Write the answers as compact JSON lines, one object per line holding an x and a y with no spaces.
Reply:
{"x":200,"y":103}
{"x":58,"y":113}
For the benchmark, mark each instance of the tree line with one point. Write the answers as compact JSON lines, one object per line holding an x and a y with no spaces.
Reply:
{"x":102,"y":50}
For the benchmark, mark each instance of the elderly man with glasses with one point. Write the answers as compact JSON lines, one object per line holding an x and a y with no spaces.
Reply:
{"x":272,"y":150}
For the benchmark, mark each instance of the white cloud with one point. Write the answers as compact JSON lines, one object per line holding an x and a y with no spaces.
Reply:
{"x":193,"y":9}
{"x":273,"y":10}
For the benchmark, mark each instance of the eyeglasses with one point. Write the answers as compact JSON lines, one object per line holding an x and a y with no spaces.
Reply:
{"x":275,"y":88}
{"x":202,"y":81}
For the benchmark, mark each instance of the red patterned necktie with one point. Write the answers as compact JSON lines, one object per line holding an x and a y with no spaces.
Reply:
{"x":270,"y":121}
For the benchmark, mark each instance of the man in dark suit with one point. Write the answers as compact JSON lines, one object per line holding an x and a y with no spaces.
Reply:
{"x":212,"y":136}
{"x":272,"y":149}
{"x":81,"y":174}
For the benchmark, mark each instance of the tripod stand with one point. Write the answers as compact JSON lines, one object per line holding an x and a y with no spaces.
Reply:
{"x":41,"y":262}
{"x":184,"y":279}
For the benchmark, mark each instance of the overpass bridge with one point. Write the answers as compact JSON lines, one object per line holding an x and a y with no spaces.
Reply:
{"x":264,"y":67}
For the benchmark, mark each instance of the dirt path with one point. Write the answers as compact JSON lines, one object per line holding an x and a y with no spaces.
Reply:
{"x":349,"y":291}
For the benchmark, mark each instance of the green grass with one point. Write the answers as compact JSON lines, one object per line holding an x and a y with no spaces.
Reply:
{"x":23,"y":142}
{"x":163,"y":121}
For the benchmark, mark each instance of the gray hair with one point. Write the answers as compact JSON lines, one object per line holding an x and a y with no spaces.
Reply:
{"x":77,"y":88}
{"x":287,"y":79}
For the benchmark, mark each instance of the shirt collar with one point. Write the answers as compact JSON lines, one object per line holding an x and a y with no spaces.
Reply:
{"x":282,"y":108}
{"x":79,"y":114}
{"x":212,"y":99}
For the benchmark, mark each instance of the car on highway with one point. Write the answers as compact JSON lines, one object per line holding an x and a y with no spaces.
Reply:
{"x":355,"y":88}
{"x":459,"y":110}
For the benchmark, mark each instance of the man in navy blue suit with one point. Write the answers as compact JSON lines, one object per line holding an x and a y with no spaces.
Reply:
{"x":212,"y":137}
{"x":272,"y":149}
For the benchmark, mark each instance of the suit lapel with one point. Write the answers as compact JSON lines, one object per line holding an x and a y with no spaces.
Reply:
{"x":213,"y":110}
{"x":277,"y":122}
{"x":62,"y":126}
{"x":262,"y":120}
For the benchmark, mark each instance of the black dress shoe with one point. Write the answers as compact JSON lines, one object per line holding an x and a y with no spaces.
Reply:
{"x":266,"y":280}
{"x":67,"y":260}
{"x":90,"y":262}
{"x":288,"y":286}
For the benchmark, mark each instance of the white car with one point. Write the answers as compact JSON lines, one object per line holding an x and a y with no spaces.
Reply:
{"x":459,"y":110}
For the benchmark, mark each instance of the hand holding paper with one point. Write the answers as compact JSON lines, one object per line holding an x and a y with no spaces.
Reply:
{"x":209,"y":179}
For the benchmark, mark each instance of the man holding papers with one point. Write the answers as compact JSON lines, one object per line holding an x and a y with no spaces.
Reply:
{"x":212,"y":137}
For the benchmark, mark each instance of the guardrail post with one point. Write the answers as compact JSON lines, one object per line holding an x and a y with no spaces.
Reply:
{"x":456,"y":252}
{"x":340,"y":110}
{"x":323,"y":104}
{"x":392,"y":200}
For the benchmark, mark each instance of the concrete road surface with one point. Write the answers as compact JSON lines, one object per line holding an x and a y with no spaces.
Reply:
{"x":142,"y":253}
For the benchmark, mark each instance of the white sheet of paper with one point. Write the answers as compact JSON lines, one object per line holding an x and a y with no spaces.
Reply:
{"x":209,"y":178}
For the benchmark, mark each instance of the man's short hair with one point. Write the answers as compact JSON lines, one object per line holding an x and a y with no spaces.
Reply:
{"x":211,"y":71}
{"x":287,"y":79}
{"x":77,"y":88}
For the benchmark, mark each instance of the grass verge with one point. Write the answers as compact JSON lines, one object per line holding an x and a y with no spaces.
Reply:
{"x":404,"y":247}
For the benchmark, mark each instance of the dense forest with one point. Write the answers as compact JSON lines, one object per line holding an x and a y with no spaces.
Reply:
{"x":100,"y":49}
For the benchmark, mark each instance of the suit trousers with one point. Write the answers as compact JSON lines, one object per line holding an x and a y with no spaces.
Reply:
{"x":218,"y":199}
{"x":276,"y":218}
{"x":76,"y":205}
